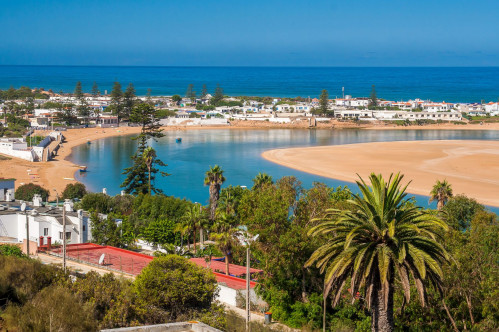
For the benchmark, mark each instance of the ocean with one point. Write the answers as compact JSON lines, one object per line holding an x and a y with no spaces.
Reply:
{"x":450,"y":84}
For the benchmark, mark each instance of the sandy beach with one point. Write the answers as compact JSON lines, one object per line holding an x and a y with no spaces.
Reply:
{"x":57,"y":173}
{"x":472,"y":167}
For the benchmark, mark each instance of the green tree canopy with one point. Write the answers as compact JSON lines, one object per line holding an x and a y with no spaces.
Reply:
{"x":74,"y":190}
{"x":175,"y":285}
{"x":26,"y":192}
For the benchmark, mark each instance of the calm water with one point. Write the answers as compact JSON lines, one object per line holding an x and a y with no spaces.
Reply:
{"x":460,"y":84}
{"x":237,"y":152}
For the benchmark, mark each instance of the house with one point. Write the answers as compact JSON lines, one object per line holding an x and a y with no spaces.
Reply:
{"x":45,"y":222}
{"x":7,"y":189}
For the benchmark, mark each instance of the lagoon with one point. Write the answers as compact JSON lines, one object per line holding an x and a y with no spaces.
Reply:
{"x":238,"y":152}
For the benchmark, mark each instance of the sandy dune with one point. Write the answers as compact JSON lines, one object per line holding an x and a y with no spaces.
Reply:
{"x":472,"y":167}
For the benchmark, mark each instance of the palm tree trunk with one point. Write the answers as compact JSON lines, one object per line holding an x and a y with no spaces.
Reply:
{"x":201,"y":236}
{"x":149,"y":168}
{"x":194,"y":239}
{"x":382,"y":314}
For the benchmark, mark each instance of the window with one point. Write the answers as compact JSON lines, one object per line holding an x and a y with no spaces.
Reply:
{"x":84,"y":228}
{"x":45,"y":231}
{"x":68,"y":236}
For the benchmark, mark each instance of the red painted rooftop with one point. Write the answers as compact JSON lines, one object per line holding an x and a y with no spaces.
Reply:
{"x":133,"y":262}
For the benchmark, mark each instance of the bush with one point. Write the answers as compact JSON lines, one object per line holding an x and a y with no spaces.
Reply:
{"x":53,"y":309}
{"x":74,"y":190}
{"x":10,"y":250}
{"x":27,"y":191}
{"x":175,"y":285}
{"x":98,"y":202}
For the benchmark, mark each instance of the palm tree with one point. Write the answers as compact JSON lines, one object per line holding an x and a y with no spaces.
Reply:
{"x":149,"y":155}
{"x":184,"y":228}
{"x":195,"y":219}
{"x":379,"y":239}
{"x":441,"y":193}
{"x":214,"y":178}
{"x":225,"y":236}
{"x":261,"y":180}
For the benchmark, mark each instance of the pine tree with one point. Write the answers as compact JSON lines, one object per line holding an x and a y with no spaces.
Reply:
{"x":204,"y":91}
{"x":190,"y":93}
{"x":117,"y":101}
{"x":95,"y":90}
{"x":128,"y":100}
{"x":218,"y":96}
{"x":148,"y":97}
{"x":82,"y":105}
{"x":78,"y":91}
{"x":141,"y":175}
{"x":373,"y":99}
{"x":324,"y":102}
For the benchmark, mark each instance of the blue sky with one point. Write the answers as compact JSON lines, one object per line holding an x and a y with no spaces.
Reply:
{"x":250,"y":33}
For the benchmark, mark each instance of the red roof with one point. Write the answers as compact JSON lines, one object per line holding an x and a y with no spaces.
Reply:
{"x":218,"y":266}
{"x":133,"y":262}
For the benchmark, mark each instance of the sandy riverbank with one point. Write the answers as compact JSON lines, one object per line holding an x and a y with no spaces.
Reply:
{"x":472,"y":167}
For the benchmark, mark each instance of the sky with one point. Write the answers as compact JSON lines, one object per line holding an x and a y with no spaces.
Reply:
{"x":250,"y":33}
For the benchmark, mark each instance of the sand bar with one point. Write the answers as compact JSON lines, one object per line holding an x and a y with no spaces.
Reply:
{"x":472,"y":167}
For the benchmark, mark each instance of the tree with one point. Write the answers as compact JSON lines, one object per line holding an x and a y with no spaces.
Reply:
{"x":117,"y":101}
{"x":72,"y":191}
{"x":148,"y":97}
{"x":176,"y":99}
{"x":175,"y":285}
{"x":204,"y":91}
{"x":26,"y":192}
{"x":381,"y":238}
{"x":82,"y":106}
{"x":460,"y":210}
{"x":141,"y":175}
{"x":218,"y":96}
{"x":190,"y":93}
{"x":373,"y":98}
{"x":159,"y":232}
{"x":98,"y":202}
{"x":324,"y":102}
{"x":128,"y":100}
{"x":214,"y":178}
{"x":95,"y":90}
{"x":262,"y":179}
{"x":225,"y":235}
{"x":194,"y":219}
{"x":441,"y":193}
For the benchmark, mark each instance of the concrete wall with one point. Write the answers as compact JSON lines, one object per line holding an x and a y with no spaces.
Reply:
{"x":170,"y":327}
{"x":227,"y":295}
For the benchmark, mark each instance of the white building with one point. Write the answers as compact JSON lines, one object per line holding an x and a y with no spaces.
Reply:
{"x":44,"y":222}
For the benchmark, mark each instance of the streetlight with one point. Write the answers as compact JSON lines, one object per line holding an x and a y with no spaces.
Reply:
{"x":57,"y":197}
{"x":246,"y":239}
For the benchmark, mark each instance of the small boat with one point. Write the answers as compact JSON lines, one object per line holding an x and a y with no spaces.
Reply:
{"x":88,"y":142}
{"x":83,"y":169}
{"x":179,"y":140}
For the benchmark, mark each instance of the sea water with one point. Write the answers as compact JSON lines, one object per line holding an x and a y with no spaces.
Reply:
{"x":450,"y":84}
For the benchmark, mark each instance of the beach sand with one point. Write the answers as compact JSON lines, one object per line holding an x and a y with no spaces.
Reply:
{"x":471,"y":167}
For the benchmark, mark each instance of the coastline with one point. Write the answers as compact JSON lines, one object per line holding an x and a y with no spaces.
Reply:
{"x":471,"y":167}
{"x":57,"y":173}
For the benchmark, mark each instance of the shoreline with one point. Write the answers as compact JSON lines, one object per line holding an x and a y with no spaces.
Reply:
{"x":469,"y":166}
{"x":60,"y":171}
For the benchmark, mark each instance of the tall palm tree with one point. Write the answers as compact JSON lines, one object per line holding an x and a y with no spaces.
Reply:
{"x":380,"y":239}
{"x":441,"y":193}
{"x":225,"y":235}
{"x":149,"y":156}
{"x":214,"y":178}
{"x":195,"y":219}
{"x":184,"y":228}
{"x":262,"y":179}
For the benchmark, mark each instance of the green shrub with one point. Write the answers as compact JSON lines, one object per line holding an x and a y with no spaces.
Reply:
{"x":74,"y":190}
{"x":27,"y":191}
